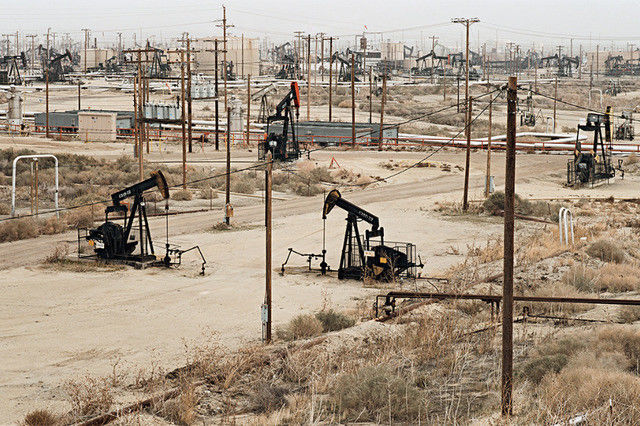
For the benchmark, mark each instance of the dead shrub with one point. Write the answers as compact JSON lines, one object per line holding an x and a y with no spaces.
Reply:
{"x":59,"y":254}
{"x":79,"y":218}
{"x":550,"y":356}
{"x":301,"y":327}
{"x":618,"y":278}
{"x":628,"y":314}
{"x":624,"y":339}
{"x":89,"y":396}
{"x":53,"y":225}
{"x":208,"y":193}
{"x":560,"y":290}
{"x":182,"y":409}
{"x":607,"y":250}
{"x":588,"y":389}
{"x":18,"y":229}
{"x":4,"y":209}
{"x":42,"y":418}
{"x":334,"y":321}
{"x":266,"y":397}
{"x":182,"y":195}
{"x":581,"y":278}
{"x":376,"y":393}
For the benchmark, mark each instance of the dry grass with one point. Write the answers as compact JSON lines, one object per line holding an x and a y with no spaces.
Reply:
{"x":89,"y":396}
{"x":301,"y":327}
{"x":42,"y":418}
{"x":182,"y":409}
{"x":560,"y":290}
{"x":628,"y":314}
{"x":182,"y":195}
{"x":607,"y":250}
{"x":334,"y":321}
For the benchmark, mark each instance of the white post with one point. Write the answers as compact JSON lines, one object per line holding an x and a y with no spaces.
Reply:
{"x":13,"y":183}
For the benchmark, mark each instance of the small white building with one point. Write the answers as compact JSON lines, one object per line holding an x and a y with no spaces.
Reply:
{"x":97,"y":126}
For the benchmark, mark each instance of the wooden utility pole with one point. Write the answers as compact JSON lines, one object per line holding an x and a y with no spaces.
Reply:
{"x":467,"y":22}
{"x":140,"y":122}
{"x":330,"y":72}
{"x":184,"y":136}
{"x":465,"y":196}
{"x":227,"y":206}
{"x":242,"y":56}
{"x":597,"y":61}
{"x":189,"y":100}
{"x":579,"y":64}
{"x":370,"y":97}
{"x":248,"y":105}
{"x":487,"y":186}
{"x":507,"y":287}
{"x":79,"y":102}
{"x":267,"y":215}
{"x":216,"y":102}
{"x":384,"y":97}
{"x":136,"y":117}
{"x":353,"y":100}
{"x":46,"y":72}
{"x":555,"y":103}
{"x":309,"y":77}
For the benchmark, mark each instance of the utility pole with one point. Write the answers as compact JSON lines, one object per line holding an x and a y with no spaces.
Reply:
{"x":597,"y":61}
{"x":384,"y":97}
{"x":79,"y":103}
{"x":465,"y":196}
{"x":86,"y":43}
{"x":224,"y":52}
{"x":227,"y":206}
{"x":370,"y":96}
{"x":330,"y":72}
{"x":242,"y":56}
{"x":322,"y":39}
{"x":46,"y":72}
{"x":507,"y":287}
{"x":353,"y":100}
{"x":189,"y":100}
{"x":555,"y":103}
{"x":216,"y":102}
{"x":267,"y":215}
{"x":433,"y":50}
{"x":184,"y":136}
{"x":309,"y":77}
{"x":579,"y":64}
{"x":248,"y":105}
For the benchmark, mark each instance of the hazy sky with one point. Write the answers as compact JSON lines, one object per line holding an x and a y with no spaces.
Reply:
{"x":548,"y":22}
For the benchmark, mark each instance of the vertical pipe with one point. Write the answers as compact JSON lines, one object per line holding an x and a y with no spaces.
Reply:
{"x":353,"y":100}
{"x":507,"y":288}
{"x":465,"y":196}
{"x":228,"y":175}
{"x":35,"y":186}
{"x":248,"y":105}
{"x":216,"y":100}
{"x":182,"y":119}
{"x":384,"y":98}
{"x":267,"y":203}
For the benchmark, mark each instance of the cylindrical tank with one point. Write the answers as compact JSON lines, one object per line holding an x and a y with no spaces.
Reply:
{"x":14,"y":108}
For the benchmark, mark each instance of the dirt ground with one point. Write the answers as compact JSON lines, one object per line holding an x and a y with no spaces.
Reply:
{"x":60,"y":325}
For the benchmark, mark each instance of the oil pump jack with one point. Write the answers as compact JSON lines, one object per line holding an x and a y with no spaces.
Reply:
{"x":281,"y":146}
{"x":114,"y":242}
{"x":591,"y":166}
{"x":362,"y":257}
